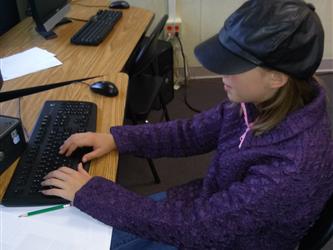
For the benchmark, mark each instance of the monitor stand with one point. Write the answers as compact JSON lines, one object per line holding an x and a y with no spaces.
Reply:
{"x":51,"y":34}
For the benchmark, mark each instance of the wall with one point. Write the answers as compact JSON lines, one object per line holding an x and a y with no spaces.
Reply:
{"x":203,"y":18}
{"x":159,"y":7}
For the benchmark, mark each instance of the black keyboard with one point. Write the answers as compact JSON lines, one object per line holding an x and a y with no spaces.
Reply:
{"x":56,"y":122}
{"x":97,"y":28}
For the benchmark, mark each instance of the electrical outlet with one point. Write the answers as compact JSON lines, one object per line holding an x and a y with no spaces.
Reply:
{"x":172,"y":27}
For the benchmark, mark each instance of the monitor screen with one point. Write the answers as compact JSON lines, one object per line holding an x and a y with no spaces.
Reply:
{"x":48,"y":13}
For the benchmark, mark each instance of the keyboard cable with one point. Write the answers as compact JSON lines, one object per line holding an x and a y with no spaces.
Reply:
{"x":25,"y":131}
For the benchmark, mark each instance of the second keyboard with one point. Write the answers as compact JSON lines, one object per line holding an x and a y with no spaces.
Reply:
{"x":97,"y":28}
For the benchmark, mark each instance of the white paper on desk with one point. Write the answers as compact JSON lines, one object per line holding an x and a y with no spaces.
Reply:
{"x":65,"y":229}
{"x":26,"y":62}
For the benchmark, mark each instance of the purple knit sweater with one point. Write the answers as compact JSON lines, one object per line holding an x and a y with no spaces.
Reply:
{"x":264,"y":195}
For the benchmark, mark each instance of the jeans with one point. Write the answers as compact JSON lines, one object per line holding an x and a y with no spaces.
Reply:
{"x":125,"y":241}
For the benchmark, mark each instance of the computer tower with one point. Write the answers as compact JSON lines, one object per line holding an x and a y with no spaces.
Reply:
{"x":12,"y":141}
{"x":164,"y":68}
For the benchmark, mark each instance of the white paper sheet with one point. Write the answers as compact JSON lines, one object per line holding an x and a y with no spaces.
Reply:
{"x":26,"y":62}
{"x":65,"y":229}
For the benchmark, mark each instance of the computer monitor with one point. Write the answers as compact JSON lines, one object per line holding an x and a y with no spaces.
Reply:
{"x":47,"y":14}
{"x":9,"y":15}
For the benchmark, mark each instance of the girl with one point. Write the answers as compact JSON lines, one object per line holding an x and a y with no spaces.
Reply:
{"x":272,"y":172}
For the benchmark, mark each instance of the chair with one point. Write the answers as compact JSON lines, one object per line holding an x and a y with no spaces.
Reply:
{"x":145,"y":83}
{"x":321,"y":232}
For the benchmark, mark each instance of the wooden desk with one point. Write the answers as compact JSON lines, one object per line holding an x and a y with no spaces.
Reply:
{"x":78,"y":62}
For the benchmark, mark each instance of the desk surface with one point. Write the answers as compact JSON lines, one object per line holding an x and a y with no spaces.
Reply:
{"x":78,"y":62}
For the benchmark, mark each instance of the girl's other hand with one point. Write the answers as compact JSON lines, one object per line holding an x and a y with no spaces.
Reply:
{"x":101,"y":143}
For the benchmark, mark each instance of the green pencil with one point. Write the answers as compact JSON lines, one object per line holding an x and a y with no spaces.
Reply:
{"x":45,"y":210}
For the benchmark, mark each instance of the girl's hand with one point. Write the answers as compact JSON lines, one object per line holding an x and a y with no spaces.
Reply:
{"x":101,"y":143}
{"x":66,"y":182}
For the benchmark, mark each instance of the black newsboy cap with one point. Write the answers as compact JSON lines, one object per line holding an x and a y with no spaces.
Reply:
{"x":285,"y":35}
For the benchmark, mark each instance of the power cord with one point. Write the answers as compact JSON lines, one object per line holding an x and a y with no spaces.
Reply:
{"x":185,"y":76}
{"x":178,"y":78}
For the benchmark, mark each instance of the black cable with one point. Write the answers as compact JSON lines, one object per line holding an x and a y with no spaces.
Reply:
{"x":89,"y":6}
{"x":85,"y":83}
{"x":78,"y":19}
{"x":25,"y":131}
{"x":185,"y":77}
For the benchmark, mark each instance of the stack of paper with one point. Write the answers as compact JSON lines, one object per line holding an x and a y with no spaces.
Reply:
{"x":26,"y":62}
{"x":65,"y":229}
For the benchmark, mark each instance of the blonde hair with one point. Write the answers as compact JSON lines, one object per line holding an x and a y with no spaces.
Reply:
{"x":294,"y":95}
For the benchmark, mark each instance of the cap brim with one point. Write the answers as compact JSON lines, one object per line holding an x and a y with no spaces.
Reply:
{"x":216,"y":58}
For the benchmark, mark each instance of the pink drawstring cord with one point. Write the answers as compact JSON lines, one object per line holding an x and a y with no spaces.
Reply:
{"x":248,"y":126}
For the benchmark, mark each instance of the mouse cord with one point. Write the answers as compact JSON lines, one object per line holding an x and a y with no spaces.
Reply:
{"x":185,"y":77}
{"x":78,"y":19}
{"x":88,"y":5}
{"x":84,"y":83}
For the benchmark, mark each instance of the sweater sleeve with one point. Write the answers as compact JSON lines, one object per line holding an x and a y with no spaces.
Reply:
{"x":261,"y":200}
{"x":175,"y":138}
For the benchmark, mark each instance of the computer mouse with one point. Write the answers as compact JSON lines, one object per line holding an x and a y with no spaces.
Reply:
{"x":105,"y":88}
{"x":119,"y":5}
